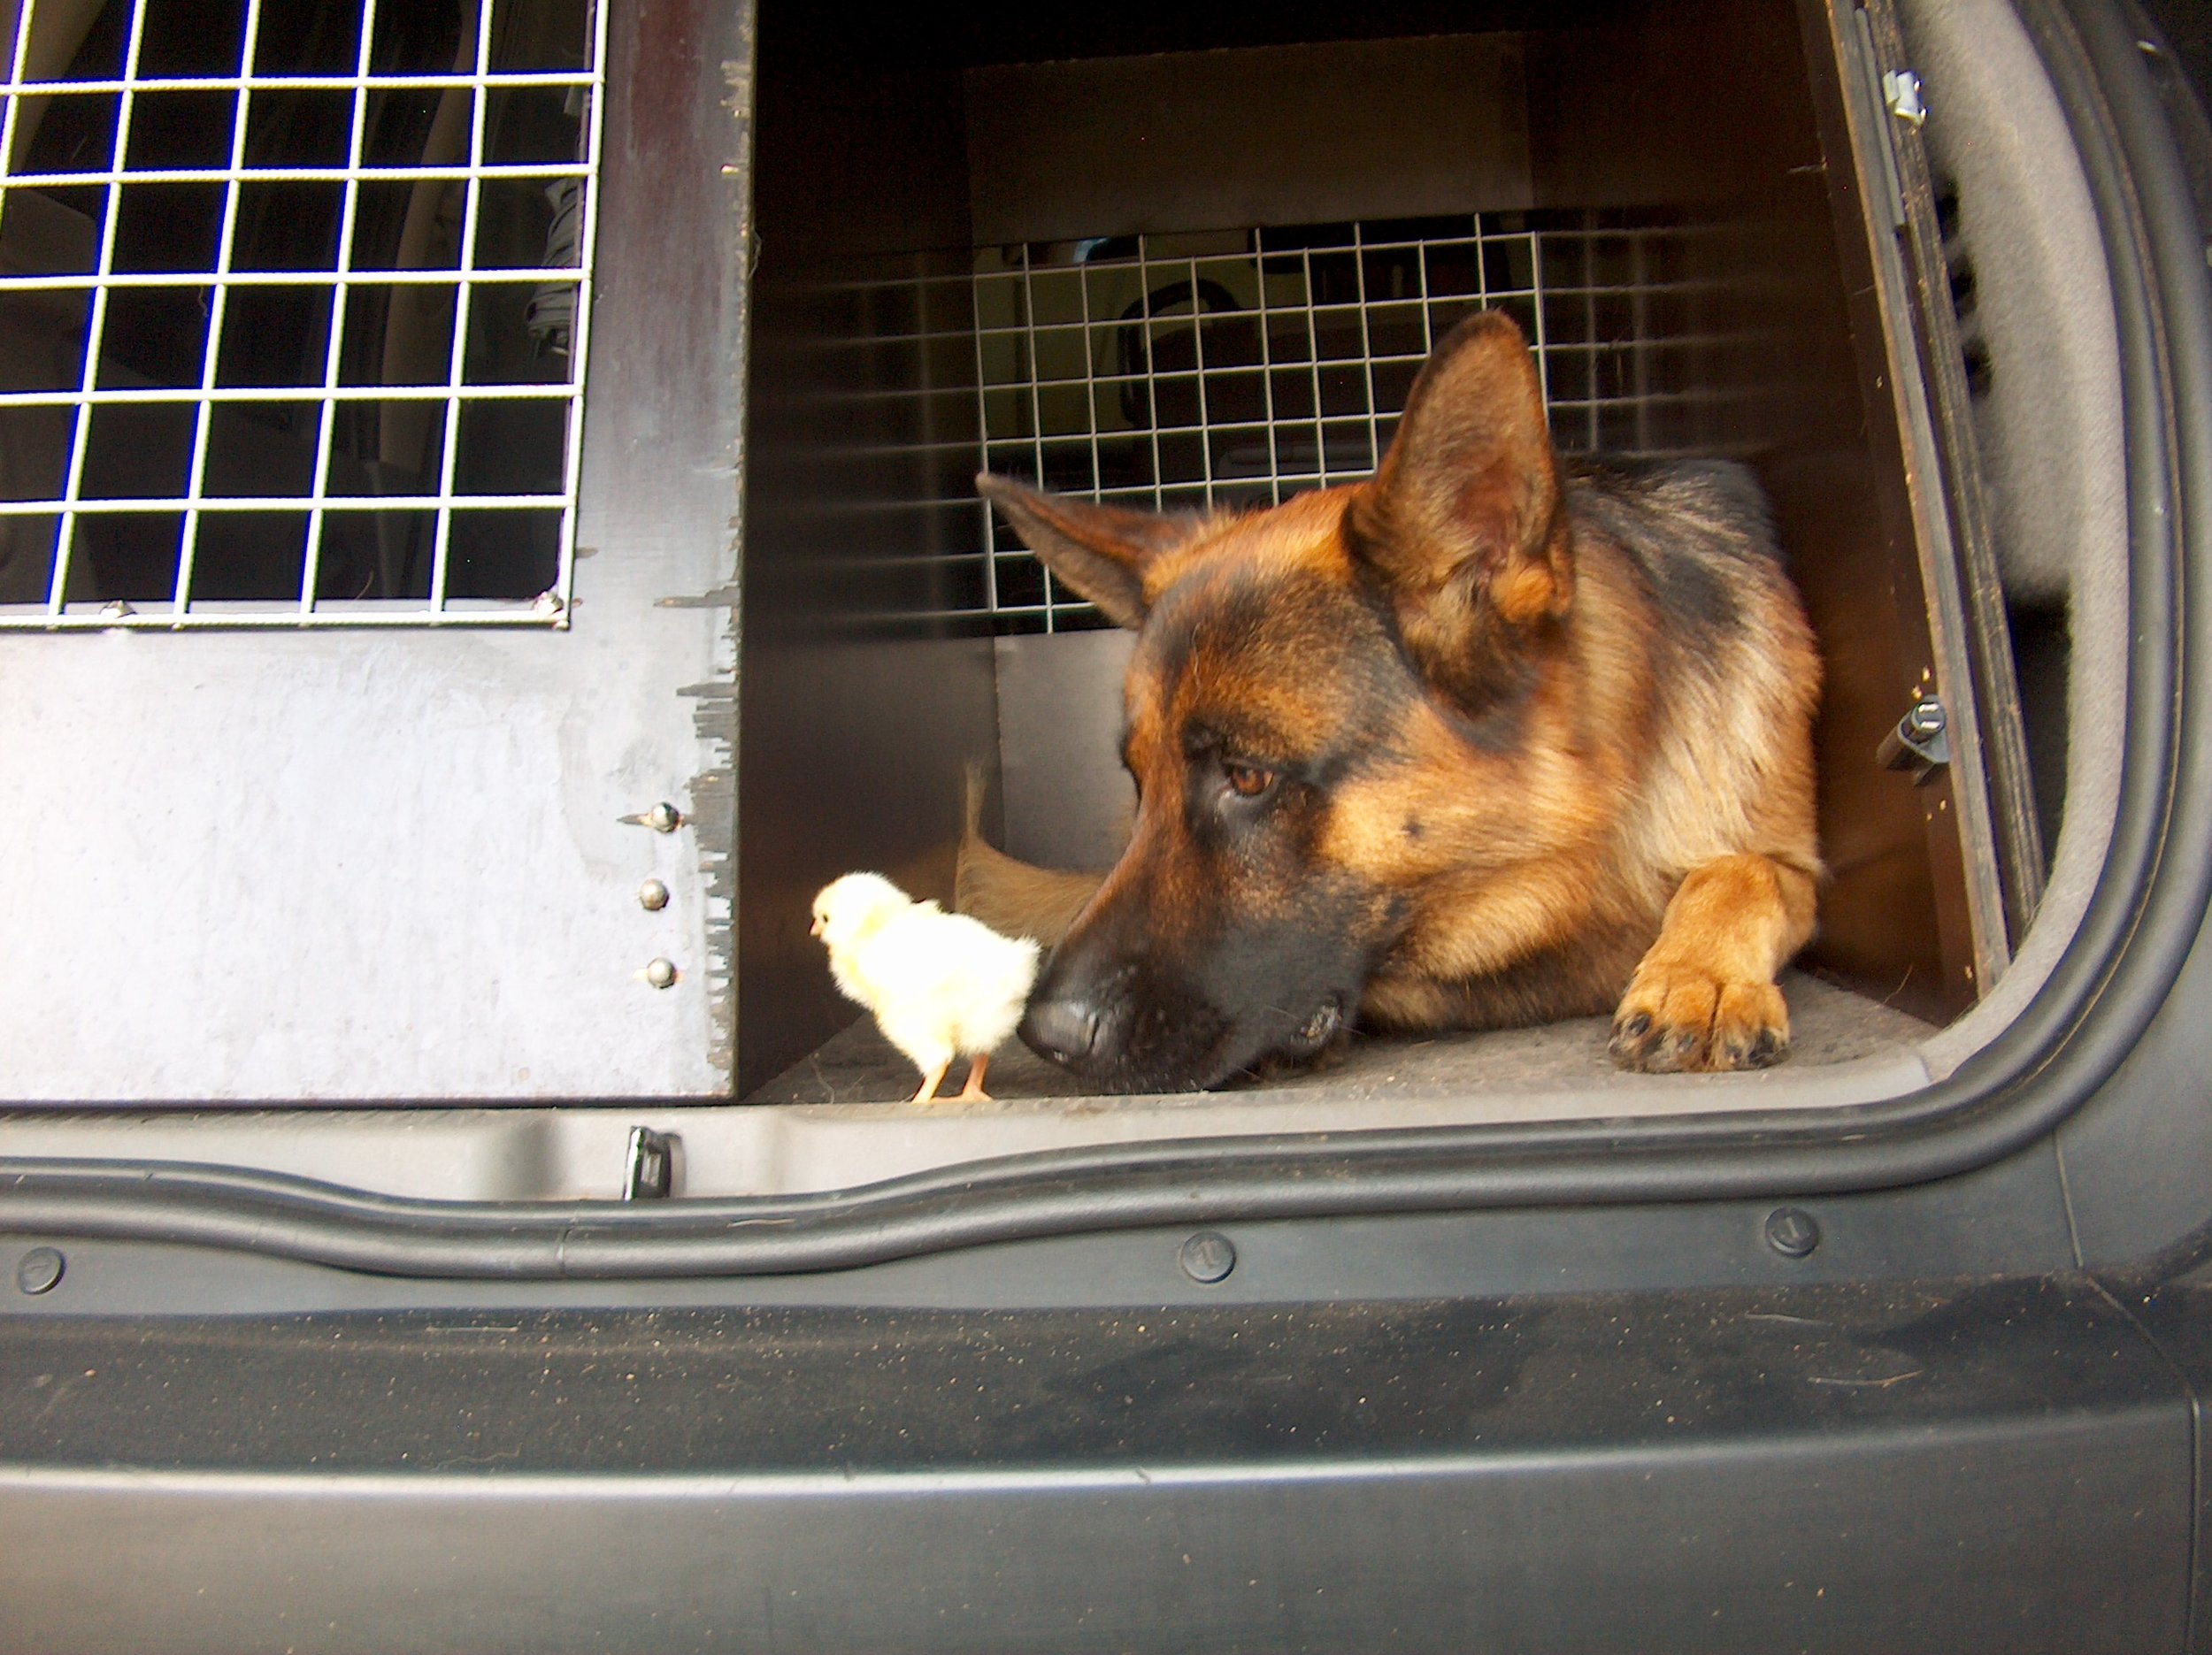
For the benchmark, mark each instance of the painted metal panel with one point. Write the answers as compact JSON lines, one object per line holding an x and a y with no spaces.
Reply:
{"x":390,"y":865}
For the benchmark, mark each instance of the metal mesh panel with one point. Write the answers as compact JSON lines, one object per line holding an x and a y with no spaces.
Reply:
{"x":1241,"y":367}
{"x":294,"y":296}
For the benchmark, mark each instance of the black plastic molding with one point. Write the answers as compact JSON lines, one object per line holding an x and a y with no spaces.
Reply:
{"x":2147,"y":912}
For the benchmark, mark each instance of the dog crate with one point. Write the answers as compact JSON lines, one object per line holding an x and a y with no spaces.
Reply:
{"x":1167,"y":261}
{"x":536,"y":766}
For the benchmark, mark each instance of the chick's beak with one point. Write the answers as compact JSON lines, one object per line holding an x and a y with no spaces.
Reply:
{"x":815,"y":930}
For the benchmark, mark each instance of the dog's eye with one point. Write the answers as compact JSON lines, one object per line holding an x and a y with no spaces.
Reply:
{"x":1247,"y":781}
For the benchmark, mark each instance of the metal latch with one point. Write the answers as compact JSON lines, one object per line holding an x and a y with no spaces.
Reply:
{"x":1901,"y":90}
{"x":1920,"y":742}
{"x":651,"y":1175}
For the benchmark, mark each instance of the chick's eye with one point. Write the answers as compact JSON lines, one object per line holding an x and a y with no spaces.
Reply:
{"x":1247,"y":781}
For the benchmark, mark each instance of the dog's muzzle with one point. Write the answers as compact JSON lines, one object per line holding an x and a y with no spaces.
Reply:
{"x":1121,"y":1031}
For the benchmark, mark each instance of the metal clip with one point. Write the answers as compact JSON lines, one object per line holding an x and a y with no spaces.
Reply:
{"x":1901,"y":90}
{"x":652,"y":1175}
{"x":1919,"y":743}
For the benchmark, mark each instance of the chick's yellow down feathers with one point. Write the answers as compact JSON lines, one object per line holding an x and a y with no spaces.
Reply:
{"x":941,"y":985}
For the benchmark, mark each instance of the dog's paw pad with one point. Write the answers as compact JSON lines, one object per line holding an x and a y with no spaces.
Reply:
{"x":1642,"y":1041}
{"x":1676,"y":1021}
{"x":1760,"y":1050}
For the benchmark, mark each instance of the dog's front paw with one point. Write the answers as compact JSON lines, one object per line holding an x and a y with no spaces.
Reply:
{"x":1676,"y":1019}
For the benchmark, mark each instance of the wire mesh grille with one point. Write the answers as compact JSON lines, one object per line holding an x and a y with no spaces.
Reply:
{"x":293,"y":297}
{"x":1239,"y":368}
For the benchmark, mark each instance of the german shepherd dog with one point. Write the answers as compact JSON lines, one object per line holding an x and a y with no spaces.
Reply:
{"x":1486,"y":740}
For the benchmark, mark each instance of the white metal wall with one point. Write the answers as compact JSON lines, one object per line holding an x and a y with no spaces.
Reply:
{"x":370,"y":863}
{"x":351,"y":866}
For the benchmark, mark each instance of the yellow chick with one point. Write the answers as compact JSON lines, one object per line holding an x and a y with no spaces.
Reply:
{"x":940,"y":984}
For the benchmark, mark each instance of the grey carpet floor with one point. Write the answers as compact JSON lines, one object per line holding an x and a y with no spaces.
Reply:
{"x":1828,"y":1025}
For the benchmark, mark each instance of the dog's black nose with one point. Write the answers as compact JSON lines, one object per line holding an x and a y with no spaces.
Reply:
{"x":1063,"y":1028}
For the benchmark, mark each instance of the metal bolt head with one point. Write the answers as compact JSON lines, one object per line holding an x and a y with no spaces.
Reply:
{"x":664,"y":818}
{"x":1792,"y":1231}
{"x":38,"y":1270}
{"x":652,"y":896}
{"x":661,"y":973}
{"x":1208,"y":1257}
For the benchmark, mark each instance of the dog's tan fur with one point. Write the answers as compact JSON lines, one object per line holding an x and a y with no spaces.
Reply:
{"x":1010,"y":895}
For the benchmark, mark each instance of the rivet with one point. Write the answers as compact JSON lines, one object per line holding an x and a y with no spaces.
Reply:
{"x":1792,"y":1231}
{"x":39,"y":1269}
{"x":1208,"y":1257}
{"x":661,"y":973}
{"x":652,"y":896}
{"x":664,"y":818}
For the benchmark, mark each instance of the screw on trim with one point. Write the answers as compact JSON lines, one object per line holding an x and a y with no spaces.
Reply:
{"x":1207,"y":1257}
{"x":40,"y":1269}
{"x":1792,"y":1231}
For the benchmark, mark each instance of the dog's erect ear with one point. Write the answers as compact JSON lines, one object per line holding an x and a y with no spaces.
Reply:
{"x":1463,"y":521}
{"x":1101,"y":551}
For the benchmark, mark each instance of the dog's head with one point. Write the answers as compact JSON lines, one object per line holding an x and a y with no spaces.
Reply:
{"x":1314,"y":696}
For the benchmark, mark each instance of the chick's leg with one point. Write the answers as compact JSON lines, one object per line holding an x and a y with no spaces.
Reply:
{"x":930,"y":1078}
{"x":973,"y":1092}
